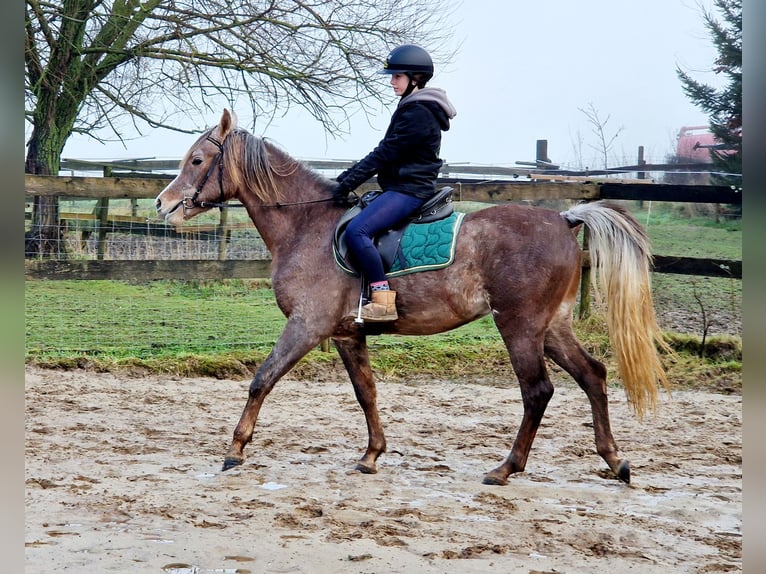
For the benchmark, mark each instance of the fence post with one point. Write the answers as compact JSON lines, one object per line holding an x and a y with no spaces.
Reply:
{"x":641,"y":161}
{"x":223,"y":234}
{"x":585,"y":281}
{"x":641,"y":174}
{"x":541,"y":152}
{"x":102,"y":210}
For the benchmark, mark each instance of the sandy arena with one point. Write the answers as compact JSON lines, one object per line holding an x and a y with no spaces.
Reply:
{"x":123,"y":475}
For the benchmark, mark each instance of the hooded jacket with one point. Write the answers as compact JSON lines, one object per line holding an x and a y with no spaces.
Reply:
{"x":407,"y":158}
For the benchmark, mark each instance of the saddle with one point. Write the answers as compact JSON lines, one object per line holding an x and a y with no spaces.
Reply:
{"x":388,"y":243}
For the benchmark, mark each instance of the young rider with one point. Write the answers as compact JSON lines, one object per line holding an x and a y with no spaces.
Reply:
{"x":407,"y":164}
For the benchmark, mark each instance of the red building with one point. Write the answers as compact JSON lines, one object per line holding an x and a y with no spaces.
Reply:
{"x":694,"y":144}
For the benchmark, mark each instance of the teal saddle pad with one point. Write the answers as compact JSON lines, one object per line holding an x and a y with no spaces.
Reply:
{"x":427,"y":246}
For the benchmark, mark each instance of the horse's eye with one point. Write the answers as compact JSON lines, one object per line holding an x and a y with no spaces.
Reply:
{"x":196,"y":161}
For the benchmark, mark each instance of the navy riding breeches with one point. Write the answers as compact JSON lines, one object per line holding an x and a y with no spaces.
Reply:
{"x":385,"y":212}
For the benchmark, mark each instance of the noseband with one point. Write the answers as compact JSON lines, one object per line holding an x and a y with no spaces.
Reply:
{"x":190,"y":202}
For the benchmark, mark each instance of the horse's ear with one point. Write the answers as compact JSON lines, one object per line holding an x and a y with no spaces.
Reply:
{"x":228,"y":123}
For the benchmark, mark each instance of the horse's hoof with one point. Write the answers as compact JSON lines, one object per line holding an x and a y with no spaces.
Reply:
{"x":230,"y":462}
{"x":366,"y":468}
{"x":623,"y":471}
{"x":494,"y":480}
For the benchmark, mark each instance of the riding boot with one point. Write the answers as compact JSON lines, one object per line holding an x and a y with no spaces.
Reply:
{"x":381,"y":308}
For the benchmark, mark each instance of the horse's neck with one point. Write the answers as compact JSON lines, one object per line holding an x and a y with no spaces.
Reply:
{"x":295,"y":221}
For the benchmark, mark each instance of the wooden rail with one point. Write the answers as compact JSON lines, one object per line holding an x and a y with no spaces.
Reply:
{"x":491,"y":191}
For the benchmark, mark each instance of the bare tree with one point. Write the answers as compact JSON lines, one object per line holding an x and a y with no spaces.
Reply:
{"x":117,"y":67}
{"x":577,"y":142}
{"x":598,"y":126}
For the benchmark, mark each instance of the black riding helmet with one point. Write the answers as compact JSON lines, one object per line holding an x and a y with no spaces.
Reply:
{"x":411,"y":60}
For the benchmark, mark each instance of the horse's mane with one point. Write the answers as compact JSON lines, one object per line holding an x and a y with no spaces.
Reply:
{"x":260,"y":166}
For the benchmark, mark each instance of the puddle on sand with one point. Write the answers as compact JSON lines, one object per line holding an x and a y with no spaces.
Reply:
{"x":180,"y":568}
{"x":159,"y":536}
{"x":273,"y":486}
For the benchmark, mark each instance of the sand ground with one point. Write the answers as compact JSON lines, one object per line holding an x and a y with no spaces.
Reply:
{"x":123,"y":475}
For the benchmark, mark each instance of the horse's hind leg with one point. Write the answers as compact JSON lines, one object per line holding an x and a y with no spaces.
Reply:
{"x":293,"y":343}
{"x":536,"y":391}
{"x":356,"y":359}
{"x":564,"y":349}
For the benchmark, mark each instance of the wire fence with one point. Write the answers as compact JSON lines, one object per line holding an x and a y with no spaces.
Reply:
{"x":130,"y":230}
{"x":118,"y":318}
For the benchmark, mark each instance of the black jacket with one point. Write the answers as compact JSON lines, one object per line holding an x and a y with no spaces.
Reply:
{"x":407,"y":158}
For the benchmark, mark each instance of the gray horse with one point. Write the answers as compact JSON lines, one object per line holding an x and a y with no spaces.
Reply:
{"x":520,"y":264}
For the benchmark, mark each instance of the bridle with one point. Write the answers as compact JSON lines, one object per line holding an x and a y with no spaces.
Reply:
{"x":193,"y":201}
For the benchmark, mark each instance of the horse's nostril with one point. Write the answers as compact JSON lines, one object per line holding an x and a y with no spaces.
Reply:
{"x":157,"y":204}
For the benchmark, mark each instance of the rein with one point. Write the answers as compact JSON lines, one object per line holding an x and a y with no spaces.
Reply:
{"x":277,"y":205}
{"x":191,"y":202}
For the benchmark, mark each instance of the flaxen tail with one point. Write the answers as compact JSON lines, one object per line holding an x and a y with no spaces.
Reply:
{"x":620,"y":255}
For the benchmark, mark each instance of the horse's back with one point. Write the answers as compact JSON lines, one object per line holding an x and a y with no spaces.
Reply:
{"x":517,"y":260}
{"x":525,"y":235}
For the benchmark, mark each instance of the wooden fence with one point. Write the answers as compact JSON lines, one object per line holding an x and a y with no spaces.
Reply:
{"x":539,"y":187}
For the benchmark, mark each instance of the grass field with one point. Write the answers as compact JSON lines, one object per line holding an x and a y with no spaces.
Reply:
{"x":226,"y":328}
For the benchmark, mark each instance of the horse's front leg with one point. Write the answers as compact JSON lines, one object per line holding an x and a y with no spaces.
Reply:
{"x":293,"y":344}
{"x":356,"y":359}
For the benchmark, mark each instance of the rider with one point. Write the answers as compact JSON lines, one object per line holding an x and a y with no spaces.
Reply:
{"x":407,"y":164}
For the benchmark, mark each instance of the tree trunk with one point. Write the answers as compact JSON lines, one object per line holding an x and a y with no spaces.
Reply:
{"x":45,"y":237}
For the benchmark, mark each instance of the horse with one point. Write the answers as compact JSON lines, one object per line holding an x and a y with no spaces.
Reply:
{"x":520,"y":264}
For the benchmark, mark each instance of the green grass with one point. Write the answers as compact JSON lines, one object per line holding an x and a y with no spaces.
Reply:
{"x":165,"y":319}
{"x":677,"y":230}
{"x":226,"y":329}
{"x":117,"y":319}
{"x":697,"y":236}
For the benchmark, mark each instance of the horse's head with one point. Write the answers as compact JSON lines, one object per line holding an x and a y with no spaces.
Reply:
{"x":200,"y":184}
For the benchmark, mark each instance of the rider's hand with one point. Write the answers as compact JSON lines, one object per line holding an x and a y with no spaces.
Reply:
{"x":340,"y":197}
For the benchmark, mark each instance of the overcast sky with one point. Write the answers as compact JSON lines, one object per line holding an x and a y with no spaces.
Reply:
{"x":524,"y":72}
